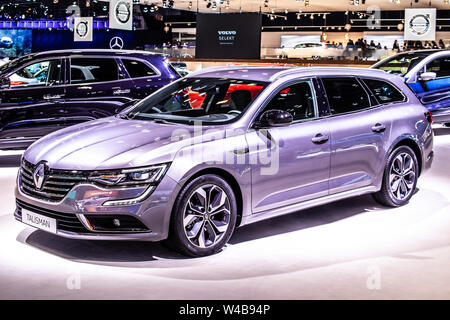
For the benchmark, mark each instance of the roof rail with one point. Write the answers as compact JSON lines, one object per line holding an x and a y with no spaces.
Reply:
{"x":306,"y":69}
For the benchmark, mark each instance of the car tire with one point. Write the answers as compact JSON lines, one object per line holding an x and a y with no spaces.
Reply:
{"x":204,"y":217}
{"x":399,"y":178}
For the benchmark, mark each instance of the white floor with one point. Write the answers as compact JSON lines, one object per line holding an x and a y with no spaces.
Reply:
{"x":352,"y":249}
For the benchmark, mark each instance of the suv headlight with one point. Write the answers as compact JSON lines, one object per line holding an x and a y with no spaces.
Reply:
{"x":130,"y":177}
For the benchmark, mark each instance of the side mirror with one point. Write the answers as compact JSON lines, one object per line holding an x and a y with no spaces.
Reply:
{"x":427,"y":76}
{"x":275,"y":118}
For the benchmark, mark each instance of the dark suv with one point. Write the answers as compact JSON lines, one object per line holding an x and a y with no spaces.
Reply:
{"x":44,"y":92}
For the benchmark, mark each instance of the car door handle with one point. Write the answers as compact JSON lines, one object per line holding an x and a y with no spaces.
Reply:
{"x":121,"y":91}
{"x":320,"y":138}
{"x":378,"y":128}
{"x":52,"y":97}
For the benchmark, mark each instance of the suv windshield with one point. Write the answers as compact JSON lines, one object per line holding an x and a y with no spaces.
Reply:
{"x":401,"y":63}
{"x":207,"y":100}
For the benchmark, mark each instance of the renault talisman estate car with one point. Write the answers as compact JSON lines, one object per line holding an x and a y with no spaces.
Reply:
{"x":44,"y":92}
{"x":262,"y":142}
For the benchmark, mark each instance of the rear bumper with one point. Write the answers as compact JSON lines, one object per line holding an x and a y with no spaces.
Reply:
{"x":441,"y":116}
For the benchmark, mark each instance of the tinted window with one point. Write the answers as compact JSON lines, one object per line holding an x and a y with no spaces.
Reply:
{"x":385,"y":92}
{"x":400,"y":64}
{"x":44,"y":73}
{"x":137,"y":69}
{"x":297,"y":99}
{"x":345,"y":95}
{"x":440,"y":66}
{"x":93,"y":70}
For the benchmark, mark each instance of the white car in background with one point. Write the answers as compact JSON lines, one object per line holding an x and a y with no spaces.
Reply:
{"x":310,"y":50}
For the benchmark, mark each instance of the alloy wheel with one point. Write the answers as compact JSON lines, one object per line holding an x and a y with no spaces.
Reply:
{"x":206,"y":216}
{"x":402,"y":176}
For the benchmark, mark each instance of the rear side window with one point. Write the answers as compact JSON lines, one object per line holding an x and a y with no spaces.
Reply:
{"x":345,"y":95}
{"x":93,"y":70}
{"x":137,"y":69}
{"x":383,"y":91}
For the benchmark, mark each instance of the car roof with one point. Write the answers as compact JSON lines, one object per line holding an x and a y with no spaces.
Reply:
{"x":273,"y":73}
{"x":98,"y":52}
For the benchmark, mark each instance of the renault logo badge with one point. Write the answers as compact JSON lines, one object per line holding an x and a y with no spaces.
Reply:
{"x":39,"y":175}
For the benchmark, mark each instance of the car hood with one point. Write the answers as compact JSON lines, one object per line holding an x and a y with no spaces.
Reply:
{"x":113,"y":143}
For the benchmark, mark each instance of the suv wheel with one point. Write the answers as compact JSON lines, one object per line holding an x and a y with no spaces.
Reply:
{"x":399,"y":179}
{"x":204,"y":216}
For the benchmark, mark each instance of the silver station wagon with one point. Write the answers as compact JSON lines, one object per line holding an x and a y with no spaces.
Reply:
{"x":226,"y":147}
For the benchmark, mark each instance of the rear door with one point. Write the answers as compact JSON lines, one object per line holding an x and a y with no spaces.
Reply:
{"x":32,"y":104}
{"x":146,"y":78}
{"x":98,"y":88}
{"x":359,"y":134}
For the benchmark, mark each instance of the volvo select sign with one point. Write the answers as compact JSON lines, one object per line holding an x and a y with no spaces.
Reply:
{"x":82,"y":29}
{"x":121,"y":14}
{"x":420,"y":24}
{"x":228,"y":36}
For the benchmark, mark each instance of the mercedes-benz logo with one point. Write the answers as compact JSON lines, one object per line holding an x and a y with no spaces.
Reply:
{"x":39,"y":175}
{"x":82,"y":28}
{"x":116,"y":43}
{"x":123,"y":11}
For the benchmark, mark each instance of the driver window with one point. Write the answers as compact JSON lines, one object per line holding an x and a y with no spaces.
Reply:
{"x":297,"y":99}
{"x":44,"y":73}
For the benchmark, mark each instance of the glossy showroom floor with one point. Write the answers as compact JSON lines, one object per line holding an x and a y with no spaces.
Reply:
{"x":350,"y":249}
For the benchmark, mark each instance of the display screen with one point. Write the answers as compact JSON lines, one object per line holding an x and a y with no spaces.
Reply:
{"x":228,"y":36}
{"x":15,"y":42}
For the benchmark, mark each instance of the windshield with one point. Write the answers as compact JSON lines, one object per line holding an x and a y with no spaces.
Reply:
{"x":207,"y":100}
{"x":400,"y":64}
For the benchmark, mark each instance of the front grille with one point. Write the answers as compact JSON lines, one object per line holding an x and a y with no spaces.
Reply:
{"x":65,"y":221}
{"x":56,"y":186}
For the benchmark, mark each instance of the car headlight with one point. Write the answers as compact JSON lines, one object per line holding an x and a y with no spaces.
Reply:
{"x":130,"y":177}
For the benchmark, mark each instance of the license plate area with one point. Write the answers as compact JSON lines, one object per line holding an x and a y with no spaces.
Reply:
{"x":39,"y":221}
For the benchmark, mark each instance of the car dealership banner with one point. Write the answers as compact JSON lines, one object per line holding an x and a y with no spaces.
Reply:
{"x":228,"y":36}
{"x":420,"y":24}
{"x":121,"y":14}
{"x":82,"y":29}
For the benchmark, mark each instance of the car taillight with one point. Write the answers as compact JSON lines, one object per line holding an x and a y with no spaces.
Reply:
{"x":17,"y":83}
{"x":429,"y":117}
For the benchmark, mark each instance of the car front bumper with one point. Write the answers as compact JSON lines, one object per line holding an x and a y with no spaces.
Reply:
{"x":74,"y":210}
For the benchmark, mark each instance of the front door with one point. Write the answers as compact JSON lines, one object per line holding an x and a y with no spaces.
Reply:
{"x":32,"y":105}
{"x":293,"y":162}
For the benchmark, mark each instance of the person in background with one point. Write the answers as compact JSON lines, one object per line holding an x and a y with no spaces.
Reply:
{"x":434,"y":45}
{"x":340,"y":46}
{"x":395,"y":46}
{"x":441,"y":44}
{"x":418,"y":45}
{"x":427,"y":45}
{"x":379,"y":45}
{"x":372,"y":45}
